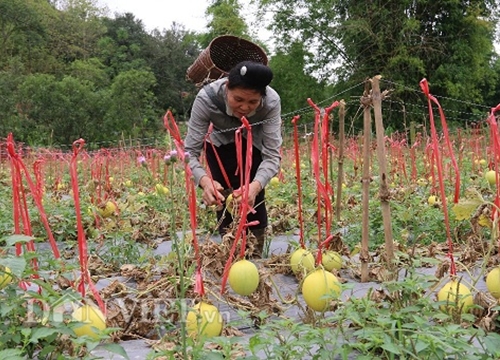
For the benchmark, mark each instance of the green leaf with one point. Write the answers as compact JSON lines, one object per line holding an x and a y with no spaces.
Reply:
{"x":17,"y":265}
{"x":47,"y":349}
{"x":391,"y":348}
{"x":14,"y":239}
{"x":421,"y":346}
{"x":11,"y":354}
{"x":492,"y":344}
{"x":6,"y":309}
{"x":26,"y":332}
{"x":115,"y":348}
{"x":42,"y":333}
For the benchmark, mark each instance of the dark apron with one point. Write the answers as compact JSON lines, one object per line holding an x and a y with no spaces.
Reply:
{"x":227,"y":155}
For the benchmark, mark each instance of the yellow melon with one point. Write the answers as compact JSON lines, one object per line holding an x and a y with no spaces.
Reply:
{"x":493,"y":282}
{"x":204,"y":319}
{"x":108,"y":210}
{"x":243,"y":277}
{"x":491,"y":177}
{"x":92,"y":318}
{"x":5,"y":277}
{"x":449,"y":294}
{"x":331,"y":260}
{"x":318,"y":288}
{"x":301,"y":260}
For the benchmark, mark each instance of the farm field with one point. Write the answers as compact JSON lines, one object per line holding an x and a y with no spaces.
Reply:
{"x":122,"y":229}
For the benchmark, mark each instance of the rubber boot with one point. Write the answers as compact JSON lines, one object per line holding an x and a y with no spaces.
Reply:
{"x":260,"y":236}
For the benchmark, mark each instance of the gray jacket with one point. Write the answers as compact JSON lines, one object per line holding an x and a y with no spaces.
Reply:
{"x":266,"y":133}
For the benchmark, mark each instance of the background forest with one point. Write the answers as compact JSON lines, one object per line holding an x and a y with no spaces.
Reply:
{"x":69,"y":69}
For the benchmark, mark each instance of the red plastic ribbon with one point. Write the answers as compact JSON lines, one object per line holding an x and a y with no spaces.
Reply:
{"x":245,"y":172}
{"x":173,"y":129}
{"x":321,"y":187}
{"x":435,"y":145}
{"x":425,"y":88}
{"x":322,"y":245}
{"x":495,"y":145}
{"x":325,"y":142}
{"x":20,"y":206}
{"x":82,"y":241}
{"x":219,"y":162}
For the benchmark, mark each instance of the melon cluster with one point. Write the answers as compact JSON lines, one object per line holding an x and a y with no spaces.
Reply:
{"x":319,"y":285}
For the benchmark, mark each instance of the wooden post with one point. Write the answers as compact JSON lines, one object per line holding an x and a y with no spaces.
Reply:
{"x":340,"y":170}
{"x":365,"y":232}
{"x":384,"y":190}
{"x":413,"y":133}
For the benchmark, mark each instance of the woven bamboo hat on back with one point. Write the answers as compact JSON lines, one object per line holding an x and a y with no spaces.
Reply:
{"x":221,"y":55}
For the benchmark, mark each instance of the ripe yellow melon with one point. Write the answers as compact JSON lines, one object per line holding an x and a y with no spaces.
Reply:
{"x":491,"y":177}
{"x":92,"y":317}
{"x":449,"y":293}
{"x":432,"y":200}
{"x":244,"y":277}
{"x":301,"y":260}
{"x":318,"y":288}
{"x":108,"y":210}
{"x":161,"y":189}
{"x":5,"y":277}
{"x":331,"y":260}
{"x":493,"y":282}
{"x":204,"y":319}
{"x":231,"y":205}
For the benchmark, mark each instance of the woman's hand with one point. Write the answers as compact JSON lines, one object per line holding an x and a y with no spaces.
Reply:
{"x":254,"y":190}
{"x":211,"y":191}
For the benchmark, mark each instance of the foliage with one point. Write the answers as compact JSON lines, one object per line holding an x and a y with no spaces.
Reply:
{"x":58,"y":111}
{"x":322,"y":48}
{"x":122,"y":46}
{"x":22,"y":29}
{"x":402,"y":320}
{"x":130,"y":108}
{"x":293,"y":80}
{"x":450,"y":43}
{"x":169,"y":54}
{"x":39,"y":324}
{"x":224,"y":19}
{"x":69,"y":72}
{"x":395,"y":319}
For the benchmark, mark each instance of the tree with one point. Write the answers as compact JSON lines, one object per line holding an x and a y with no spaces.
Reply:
{"x":224,"y":19}
{"x":21,"y":29}
{"x":131,"y":106}
{"x":58,"y":111}
{"x":76,"y":29}
{"x":291,"y":80}
{"x":169,"y":54}
{"x":9,"y":82}
{"x":448,"y":42}
{"x":91,"y":71}
{"x":122,"y":46}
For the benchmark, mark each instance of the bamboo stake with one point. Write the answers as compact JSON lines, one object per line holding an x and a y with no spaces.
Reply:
{"x":365,"y":233}
{"x":384,"y":190}
{"x":340,"y":175}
